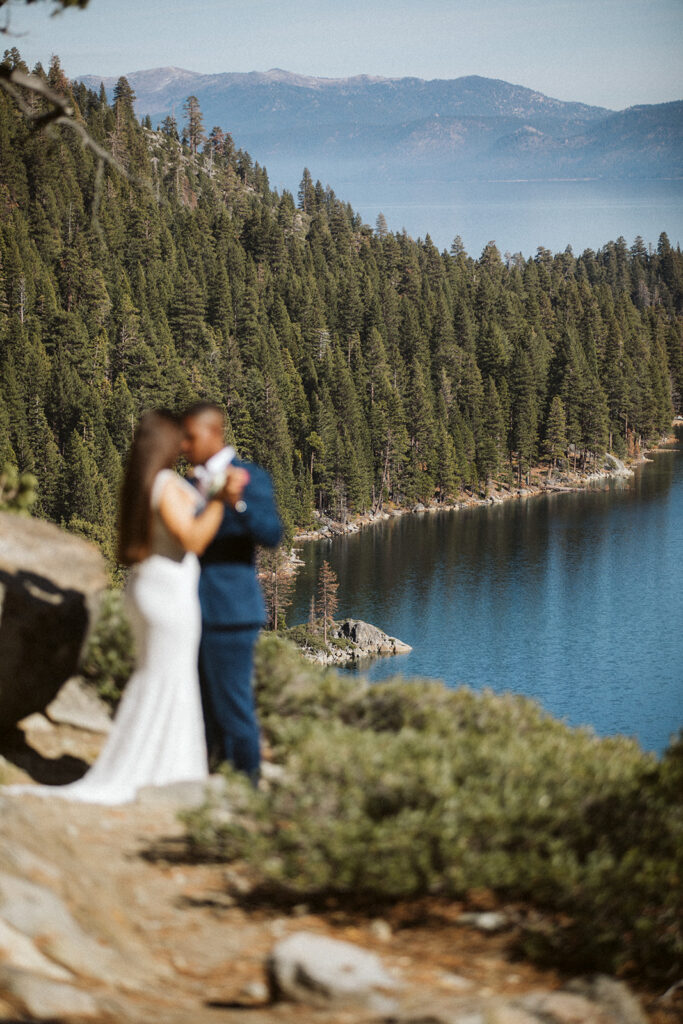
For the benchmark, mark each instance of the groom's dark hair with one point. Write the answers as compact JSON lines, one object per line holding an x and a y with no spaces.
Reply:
{"x":199,"y":408}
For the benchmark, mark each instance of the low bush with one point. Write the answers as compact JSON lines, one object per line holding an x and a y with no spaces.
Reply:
{"x":303,"y":636}
{"x":109,"y":655}
{"x":405,"y":788}
{"x":18,"y":491}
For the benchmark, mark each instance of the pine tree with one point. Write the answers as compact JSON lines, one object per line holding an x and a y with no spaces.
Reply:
{"x":446,"y":464}
{"x":555,"y":443}
{"x":491,"y":443}
{"x":419,"y":476}
{"x":313,"y":624}
{"x":524,"y":433}
{"x":194,"y":125}
{"x":277,"y":581}
{"x":327,"y":598}
{"x":124,"y":135}
{"x":306,"y":193}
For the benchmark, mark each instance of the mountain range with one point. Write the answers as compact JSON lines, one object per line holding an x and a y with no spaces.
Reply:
{"x":469,"y":128}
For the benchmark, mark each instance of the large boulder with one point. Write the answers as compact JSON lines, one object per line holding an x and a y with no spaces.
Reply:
{"x":50,"y":583}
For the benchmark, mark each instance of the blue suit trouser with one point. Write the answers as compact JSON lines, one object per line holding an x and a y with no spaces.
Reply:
{"x":226,"y":660}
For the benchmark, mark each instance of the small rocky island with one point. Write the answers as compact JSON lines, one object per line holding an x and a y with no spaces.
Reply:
{"x":348,"y":641}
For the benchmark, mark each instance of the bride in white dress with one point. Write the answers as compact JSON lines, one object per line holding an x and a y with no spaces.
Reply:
{"x":158,"y":733}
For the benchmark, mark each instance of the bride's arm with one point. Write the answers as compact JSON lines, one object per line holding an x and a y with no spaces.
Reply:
{"x":177,"y":509}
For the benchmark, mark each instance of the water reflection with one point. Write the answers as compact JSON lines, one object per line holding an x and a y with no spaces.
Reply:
{"x":570,"y":598}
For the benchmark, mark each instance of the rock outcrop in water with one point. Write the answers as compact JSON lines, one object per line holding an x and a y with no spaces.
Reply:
{"x":369,"y":639}
{"x":360,"y":640}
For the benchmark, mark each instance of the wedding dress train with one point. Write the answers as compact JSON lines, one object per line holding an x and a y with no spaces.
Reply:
{"x":158,"y":734}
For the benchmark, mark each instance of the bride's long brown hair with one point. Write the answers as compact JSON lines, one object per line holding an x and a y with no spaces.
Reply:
{"x":156,"y":445}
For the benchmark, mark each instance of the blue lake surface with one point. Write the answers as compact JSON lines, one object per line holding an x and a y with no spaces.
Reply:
{"x":520,"y":216}
{"x":572,"y":599}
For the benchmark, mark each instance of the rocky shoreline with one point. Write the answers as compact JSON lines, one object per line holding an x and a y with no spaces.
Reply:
{"x":555,"y":483}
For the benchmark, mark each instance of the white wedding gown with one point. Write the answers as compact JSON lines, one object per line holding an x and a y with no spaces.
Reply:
{"x":158,"y":733}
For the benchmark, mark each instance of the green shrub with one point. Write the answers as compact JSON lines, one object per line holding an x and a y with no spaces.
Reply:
{"x":400,"y":789}
{"x":18,"y":491}
{"x":302,"y":636}
{"x":109,"y":656}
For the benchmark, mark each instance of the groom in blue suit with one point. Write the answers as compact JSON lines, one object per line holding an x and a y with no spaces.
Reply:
{"x":233,"y":609}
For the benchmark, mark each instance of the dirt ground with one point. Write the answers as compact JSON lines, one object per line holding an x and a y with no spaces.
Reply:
{"x":194,"y":943}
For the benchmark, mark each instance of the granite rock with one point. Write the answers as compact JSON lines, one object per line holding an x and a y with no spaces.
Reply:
{"x":614,"y":996}
{"x":44,"y":999}
{"x":50,"y":582}
{"x":323,"y":972}
{"x":569,"y":1007}
{"x":486,"y":921}
{"x":78,"y":705}
{"x":17,"y":950}
{"x":184,"y":794}
{"x":369,"y":639}
{"x":40,"y":915}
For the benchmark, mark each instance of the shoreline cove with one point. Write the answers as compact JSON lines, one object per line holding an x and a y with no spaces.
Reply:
{"x":568,"y":482}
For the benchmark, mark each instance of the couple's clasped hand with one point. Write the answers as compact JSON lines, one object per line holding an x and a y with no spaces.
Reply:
{"x":230,"y":487}
{"x":178,"y":506}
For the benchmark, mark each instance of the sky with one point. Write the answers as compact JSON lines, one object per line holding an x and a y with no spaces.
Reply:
{"x":611,"y":53}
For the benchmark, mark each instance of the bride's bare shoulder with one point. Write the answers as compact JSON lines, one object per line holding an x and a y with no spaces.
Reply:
{"x":169,"y":484}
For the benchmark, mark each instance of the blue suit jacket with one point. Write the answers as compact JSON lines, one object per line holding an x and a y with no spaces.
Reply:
{"x":229,"y":591}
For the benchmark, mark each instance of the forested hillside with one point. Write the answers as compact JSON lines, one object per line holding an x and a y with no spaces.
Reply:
{"x":359,"y":366}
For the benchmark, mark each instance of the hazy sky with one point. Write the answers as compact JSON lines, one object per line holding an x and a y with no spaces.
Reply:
{"x":612,"y":53}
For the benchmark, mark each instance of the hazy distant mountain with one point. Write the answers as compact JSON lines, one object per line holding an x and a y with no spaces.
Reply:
{"x":399,"y":128}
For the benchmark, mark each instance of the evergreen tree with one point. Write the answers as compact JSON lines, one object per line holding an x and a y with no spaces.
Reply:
{"x":491,"y":444}
{"x":194,"y":123}
{"x":555,"y":443}
{"x":277,"y":582}
{"x":306,"y":193}
{"x":524,"y":433}
{"x":327,"y":601}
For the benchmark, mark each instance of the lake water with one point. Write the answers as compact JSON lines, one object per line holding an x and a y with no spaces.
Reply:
{"x":522,"y":215}
{"x":573,"y":599}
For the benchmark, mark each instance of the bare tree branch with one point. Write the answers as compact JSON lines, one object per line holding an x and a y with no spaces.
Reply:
{"x":59,"y":4}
